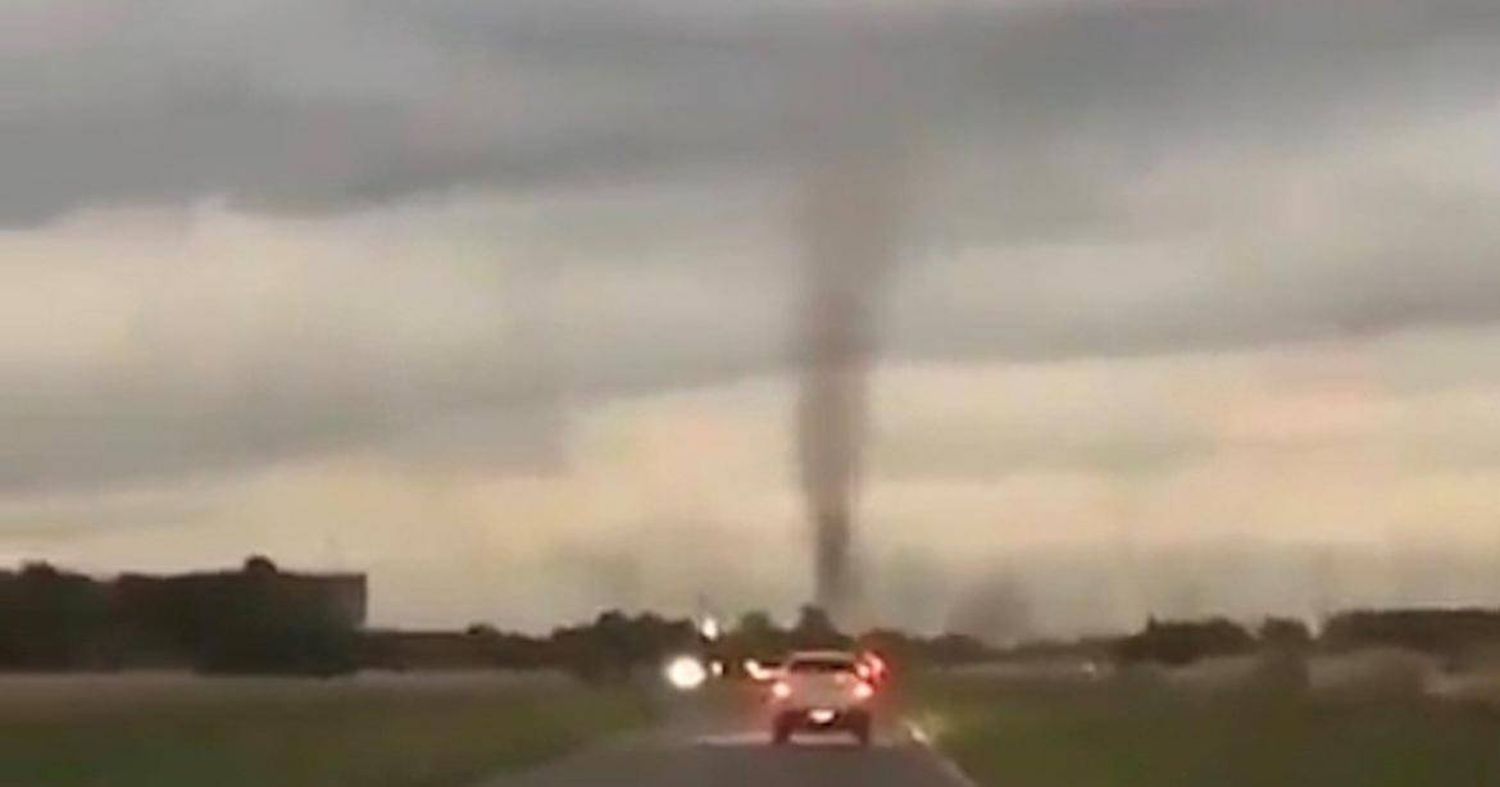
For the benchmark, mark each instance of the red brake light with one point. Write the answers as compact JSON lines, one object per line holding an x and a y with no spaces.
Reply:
{"x":780,"y":690}
{"x":863,"y":691}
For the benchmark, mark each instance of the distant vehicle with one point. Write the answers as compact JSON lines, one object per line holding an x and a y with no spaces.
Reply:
{"x":821,"y":691}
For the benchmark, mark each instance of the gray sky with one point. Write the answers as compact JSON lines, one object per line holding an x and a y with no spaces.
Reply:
{"x":496,"y":299}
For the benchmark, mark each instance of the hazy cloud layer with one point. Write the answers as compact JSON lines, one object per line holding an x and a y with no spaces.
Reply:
{"x":1301,"y":483}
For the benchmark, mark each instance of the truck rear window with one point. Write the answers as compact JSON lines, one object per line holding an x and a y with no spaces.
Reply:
{"x":821,"y":666}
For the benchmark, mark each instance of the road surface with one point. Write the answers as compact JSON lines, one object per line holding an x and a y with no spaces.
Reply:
{"x":719,"y":747}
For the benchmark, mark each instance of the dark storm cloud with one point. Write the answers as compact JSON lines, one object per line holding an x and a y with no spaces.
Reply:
{"x":294,"y":107}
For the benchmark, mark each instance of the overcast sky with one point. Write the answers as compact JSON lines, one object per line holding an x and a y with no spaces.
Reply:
{"x":1196,"y":305}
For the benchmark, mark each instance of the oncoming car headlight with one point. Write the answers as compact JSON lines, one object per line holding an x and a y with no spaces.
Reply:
{"x":685,"y":673}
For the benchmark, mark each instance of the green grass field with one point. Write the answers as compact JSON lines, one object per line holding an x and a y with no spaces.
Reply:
{"x":1110,"y":735}
{"x":406,"y":732}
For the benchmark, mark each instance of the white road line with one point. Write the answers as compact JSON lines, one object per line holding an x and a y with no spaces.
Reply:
{"x":918,"y":734}
{"x":950,"y":768}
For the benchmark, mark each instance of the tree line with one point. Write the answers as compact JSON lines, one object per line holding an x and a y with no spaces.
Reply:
{"x":1450,"y":634}
{"x":616,"y":645}
{"x":262,"y":620}
{"x":257,"y":619}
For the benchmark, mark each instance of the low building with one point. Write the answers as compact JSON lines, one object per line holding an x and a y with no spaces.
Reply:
{"x":252,"y":619}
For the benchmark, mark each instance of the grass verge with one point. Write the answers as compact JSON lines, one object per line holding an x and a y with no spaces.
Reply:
{"x":1112,"y":735}
{"x":396,"y":733}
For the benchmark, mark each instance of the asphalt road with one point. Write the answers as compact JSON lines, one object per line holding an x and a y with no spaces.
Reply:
{"x":729,"y":747}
